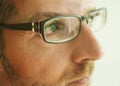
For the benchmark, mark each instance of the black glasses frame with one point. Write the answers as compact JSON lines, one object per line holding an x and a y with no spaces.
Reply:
{"x":39,"y":26}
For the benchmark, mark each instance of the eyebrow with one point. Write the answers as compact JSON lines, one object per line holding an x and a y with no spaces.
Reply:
{"x":89,"y":11}
{"x":39,"y":15}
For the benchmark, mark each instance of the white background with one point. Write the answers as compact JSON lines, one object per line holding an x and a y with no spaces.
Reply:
{"x":107,"y":71}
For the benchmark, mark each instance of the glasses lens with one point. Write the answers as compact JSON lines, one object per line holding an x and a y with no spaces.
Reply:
{"x":97,"y":19}
{"x":61,"y":29}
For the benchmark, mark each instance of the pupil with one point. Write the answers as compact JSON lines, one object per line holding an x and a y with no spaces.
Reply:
{"x":52,"y":28}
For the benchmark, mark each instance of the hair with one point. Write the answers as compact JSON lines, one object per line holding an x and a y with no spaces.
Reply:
{"x":7,"y":9}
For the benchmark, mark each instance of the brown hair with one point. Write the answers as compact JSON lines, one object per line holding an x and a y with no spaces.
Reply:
{"x":7,"y":9}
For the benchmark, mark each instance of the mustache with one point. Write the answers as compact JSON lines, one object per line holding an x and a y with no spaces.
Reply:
{"x":82,"y":70}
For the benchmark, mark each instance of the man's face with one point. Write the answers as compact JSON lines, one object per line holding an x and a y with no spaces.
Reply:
{"x":33,"y":62}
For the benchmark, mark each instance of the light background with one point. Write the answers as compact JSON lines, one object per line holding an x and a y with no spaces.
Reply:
{"x":107,"y":71}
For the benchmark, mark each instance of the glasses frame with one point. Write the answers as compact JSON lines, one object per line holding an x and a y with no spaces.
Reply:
{"x":39,"y":26}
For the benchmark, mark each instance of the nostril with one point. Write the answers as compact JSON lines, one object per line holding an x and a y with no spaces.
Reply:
{"x":79,"y":57}
{"x":83,"y":57}
{"x":79,"y":60}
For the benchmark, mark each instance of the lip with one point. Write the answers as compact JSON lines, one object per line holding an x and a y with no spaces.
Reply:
{"x":82,"y":82}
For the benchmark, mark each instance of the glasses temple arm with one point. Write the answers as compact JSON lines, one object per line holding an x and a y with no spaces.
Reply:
{"x":23,"y":26}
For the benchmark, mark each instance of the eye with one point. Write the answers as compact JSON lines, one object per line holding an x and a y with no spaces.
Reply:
{"x":94,"y":16}
{"x":96,"y":20}
{"x":53,"y":27}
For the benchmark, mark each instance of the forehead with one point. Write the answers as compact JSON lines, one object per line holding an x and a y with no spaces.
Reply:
{"x":27,"y":8}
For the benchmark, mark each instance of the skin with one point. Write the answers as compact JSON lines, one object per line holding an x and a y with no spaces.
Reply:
{"x":33,"y":62}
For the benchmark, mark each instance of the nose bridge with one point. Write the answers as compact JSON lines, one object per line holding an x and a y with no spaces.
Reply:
{"x":86,"y":46}
{"x":83,"y":19}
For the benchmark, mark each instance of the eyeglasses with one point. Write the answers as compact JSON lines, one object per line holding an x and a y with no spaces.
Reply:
{"x":60,"y":29}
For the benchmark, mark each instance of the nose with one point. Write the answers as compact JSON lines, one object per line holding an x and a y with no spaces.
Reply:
{"x":85,"y":46}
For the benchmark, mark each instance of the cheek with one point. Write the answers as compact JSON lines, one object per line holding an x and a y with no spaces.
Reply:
{"x":32,"y":59}
{"x":45,"y":67}
{"x":39,"y":67}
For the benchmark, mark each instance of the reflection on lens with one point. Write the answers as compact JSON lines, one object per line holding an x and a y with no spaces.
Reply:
{"x":61,"y":29}
{"x":97,"y":19}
